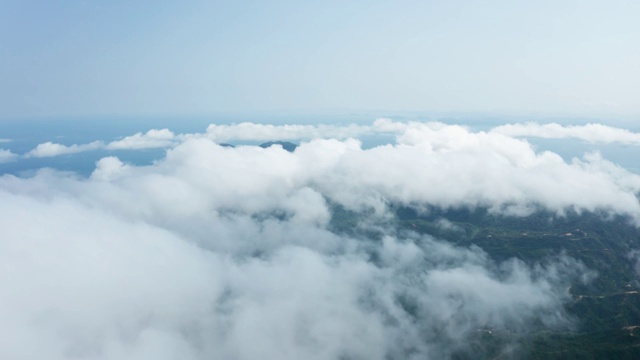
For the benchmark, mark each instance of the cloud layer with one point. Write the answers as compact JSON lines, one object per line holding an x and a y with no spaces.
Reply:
{"x":7,"y":156}
{"x":594,"y":133}
{"x":51,"y":149}
{"x":251,"y":132}
{"x":151,"y":139}
{"x":227,"y":253}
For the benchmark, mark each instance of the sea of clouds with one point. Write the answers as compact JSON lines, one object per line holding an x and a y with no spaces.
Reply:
{"x":217,"y":252}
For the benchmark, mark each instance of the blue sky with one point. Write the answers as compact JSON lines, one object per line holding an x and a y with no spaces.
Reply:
{"x":92,"y":58}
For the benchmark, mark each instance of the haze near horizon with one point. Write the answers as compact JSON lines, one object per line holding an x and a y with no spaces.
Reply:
{"x":83,"y":58}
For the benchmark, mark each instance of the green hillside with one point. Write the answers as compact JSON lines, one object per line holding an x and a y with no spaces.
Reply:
{"x":606,"y":308}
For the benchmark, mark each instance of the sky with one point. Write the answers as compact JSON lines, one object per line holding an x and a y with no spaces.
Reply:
{"x":97,"y":58}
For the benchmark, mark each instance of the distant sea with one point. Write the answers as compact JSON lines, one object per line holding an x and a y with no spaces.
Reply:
{"x":22,"y":135}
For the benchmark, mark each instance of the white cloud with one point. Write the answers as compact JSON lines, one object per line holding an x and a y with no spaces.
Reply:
{"x":264,"y":132}
{"x":212,"y":248}
{"x":151,"y":139}
{"x":108,"y":168}
{"x":7,"y":156}
{"x":451,"y":167}
{"x":594,"y":133}
{"x":50,"y":149}
{"x":95,"y":284}
{"x":447,"y":225}
{"x":489,"y":168}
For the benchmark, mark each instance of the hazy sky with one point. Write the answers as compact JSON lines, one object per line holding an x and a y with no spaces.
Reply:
{"x":570,"y":58}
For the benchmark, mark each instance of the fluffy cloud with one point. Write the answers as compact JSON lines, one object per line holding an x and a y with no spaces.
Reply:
{"x":50,"y":149}
{"x":218,"y":252}
{"x":264,"y":132}
{"x":151,"y":139}
{"x":405,"y":131}
{"x":7,"y":156}
{"x":97,"y":285}
{"x":595,"y":133}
